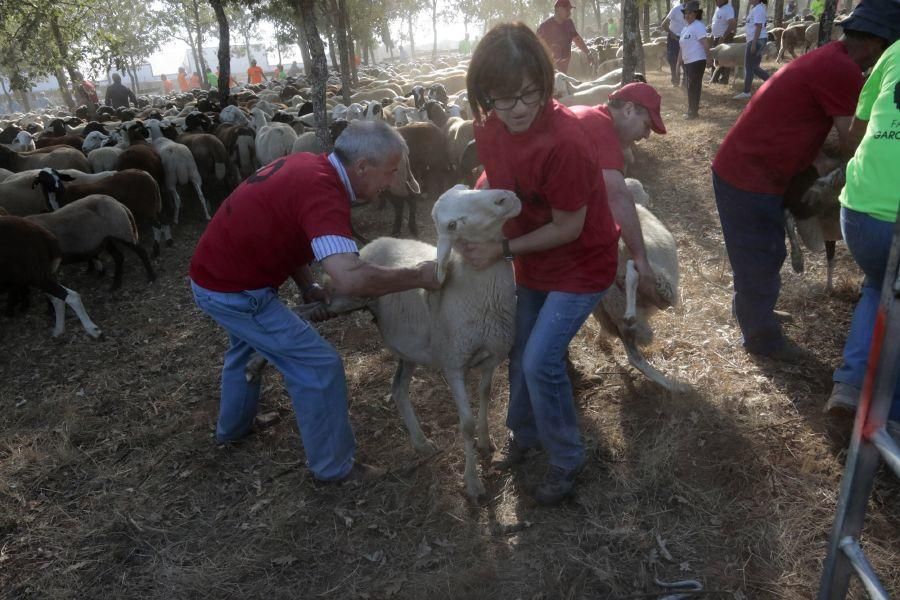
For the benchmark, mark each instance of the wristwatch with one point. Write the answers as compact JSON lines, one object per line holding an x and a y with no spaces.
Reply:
{"x":507,"y":253}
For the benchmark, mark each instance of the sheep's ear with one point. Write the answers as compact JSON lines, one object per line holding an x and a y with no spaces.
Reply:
{"x":410,"y":179}
{"x":444,"y":247}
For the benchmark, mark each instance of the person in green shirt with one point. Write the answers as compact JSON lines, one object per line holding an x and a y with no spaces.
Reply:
{"x":869,"y":205}
{"x":212,"y":78}
{"x":465,"y":46}
{"x":613,"y":28}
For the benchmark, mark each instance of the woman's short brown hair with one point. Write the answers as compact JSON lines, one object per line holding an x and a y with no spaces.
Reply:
{"x":504,"y":57}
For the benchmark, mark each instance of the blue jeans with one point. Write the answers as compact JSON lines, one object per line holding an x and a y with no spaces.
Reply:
{"x":869,"y":241}
{"x":256,"y":320}
{"x":541,"y":404}
{"x":753,"y":227}
{"x":751,"y":65}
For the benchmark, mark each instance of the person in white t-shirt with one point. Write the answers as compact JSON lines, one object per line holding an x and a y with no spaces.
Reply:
{"x":756,"y":44}
{"x":724,"y":26}
{"x":674,"y":23}
{"x":693,"y":54}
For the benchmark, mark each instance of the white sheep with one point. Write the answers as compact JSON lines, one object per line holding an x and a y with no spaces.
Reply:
{"x":598,"y":94}
{"x":233,"y":115}
{"x":179,"y":167}
{"x":625,"y":314}
{"x":468,"y":324}
{"x":24,"y":142}
{"x":274,"y":141}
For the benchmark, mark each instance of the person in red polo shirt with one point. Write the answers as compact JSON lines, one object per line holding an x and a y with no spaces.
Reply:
{"x":630,"y":115}
{"x":289,"y":213}
{"x":564,"y":242}
{"x":558,"y":32}
{"x":778,"y":135}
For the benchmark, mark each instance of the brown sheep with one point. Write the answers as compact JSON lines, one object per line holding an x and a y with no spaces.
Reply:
{"x":59,"y":158}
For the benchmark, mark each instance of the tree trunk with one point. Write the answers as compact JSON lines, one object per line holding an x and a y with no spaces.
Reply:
{"x":779,"y":13}
{"x":318,"y":75}
{"x":646,"y":14}
{"x":352,"y":47}
{"x":331,"y":46}
{"x":64,"y":88}
{"x":337,"y":8}
{"x":826,"y":21}
{"x":302,"y":42}
{"x":9,"y":99}
{"x":598,"y":15}
{"x":737,"y":11}
{"x":201,"y":63}
{"x":412,"y":41}
{"x":434,"y":28}
{"x":64,"y":60}
{"x":135,"y":84}
{"x":24,"y":100}
{"x":633,"y":54}
{"x":224,"y":50}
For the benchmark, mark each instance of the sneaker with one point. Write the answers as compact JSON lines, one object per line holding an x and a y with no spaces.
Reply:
{"x":361,"y":472}
{"x":844,"y":398}
{"x":742,"y":96}
{"x":511,"y":455}
{"x":558,"y":484}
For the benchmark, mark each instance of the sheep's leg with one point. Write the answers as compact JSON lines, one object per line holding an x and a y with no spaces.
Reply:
{"x":456,"y":379}
{"x":145,"y":260}
{"x":177,"y":199}
{"x":157,"y":238}
{"x":397,"y":203}
{"x":255,"y":366}
{"x":830,"y":246}
{"x":400,"y":394}
{"x":198,"y":186}
{"x":637,"y":360}
{"x":61,"y":296}
{"x":631,"y":285}
{"x":485,"y":444}
{"x":167,"y":234}
{"x":411,"y":202}
{"x":118,"y":261}
{"x":796,"y":253}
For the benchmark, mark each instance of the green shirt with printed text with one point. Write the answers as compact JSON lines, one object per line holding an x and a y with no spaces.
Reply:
{"x":873,"y":174}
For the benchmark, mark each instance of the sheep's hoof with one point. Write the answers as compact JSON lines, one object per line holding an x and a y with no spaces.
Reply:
{"x":475,"y":490}
{"x":487,"y":450}
{"x":425,"y":447}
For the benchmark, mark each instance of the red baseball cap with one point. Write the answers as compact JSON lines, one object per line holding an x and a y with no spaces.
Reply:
{"x":563,"y":4}
{"x":646,"y":96}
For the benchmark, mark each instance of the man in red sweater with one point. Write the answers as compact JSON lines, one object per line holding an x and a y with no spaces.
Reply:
{"x":292,"y":212}
{"x":558,"y":32}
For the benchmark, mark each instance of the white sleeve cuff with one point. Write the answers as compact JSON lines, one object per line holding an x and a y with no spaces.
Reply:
{"x":326,"y":245}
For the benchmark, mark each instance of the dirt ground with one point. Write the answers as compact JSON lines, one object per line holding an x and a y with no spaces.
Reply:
{"x":112,"y":485}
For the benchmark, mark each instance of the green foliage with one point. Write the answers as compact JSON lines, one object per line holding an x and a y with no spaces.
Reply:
{"x":127,"y":33}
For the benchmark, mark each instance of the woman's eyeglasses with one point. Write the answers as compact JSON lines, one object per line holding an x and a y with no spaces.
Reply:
{"x":528,"y":98}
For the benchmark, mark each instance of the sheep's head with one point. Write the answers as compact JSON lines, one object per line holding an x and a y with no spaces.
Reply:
{"x":24,"y":141}
{"x":470,"y":215}
{"x":638,"y":194}
{"x":135,"y":130}
{"x":51,"y":184}
{"x":94,"y":140}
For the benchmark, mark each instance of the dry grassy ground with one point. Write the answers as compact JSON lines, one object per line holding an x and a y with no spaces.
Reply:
{"x":111,"y":484}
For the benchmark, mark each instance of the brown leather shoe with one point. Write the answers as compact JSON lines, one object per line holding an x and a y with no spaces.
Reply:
{"x":361,"y":472}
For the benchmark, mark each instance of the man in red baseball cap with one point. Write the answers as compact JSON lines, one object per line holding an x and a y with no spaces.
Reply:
{"x":630,"y":115}
{"x":558,"y":32}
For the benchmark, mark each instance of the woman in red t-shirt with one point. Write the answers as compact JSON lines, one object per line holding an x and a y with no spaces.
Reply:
{"x":564,"y":242}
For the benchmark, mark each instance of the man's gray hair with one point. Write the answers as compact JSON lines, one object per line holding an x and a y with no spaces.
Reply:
{"x":372,"y":141}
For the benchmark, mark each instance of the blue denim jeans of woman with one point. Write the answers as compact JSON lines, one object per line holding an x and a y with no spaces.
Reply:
{"x":256,"y":320}
{"x":752,"y":61}
{"x":869,"y":241}
{"x":541,"y":404}
{"x":753,"y":227}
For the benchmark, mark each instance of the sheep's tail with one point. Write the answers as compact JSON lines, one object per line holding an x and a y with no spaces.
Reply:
{"x":134,"y":228}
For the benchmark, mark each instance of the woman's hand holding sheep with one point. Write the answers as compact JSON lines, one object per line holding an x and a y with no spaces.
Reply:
{"x":428,"y":273}
{"x":481,"y":255}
